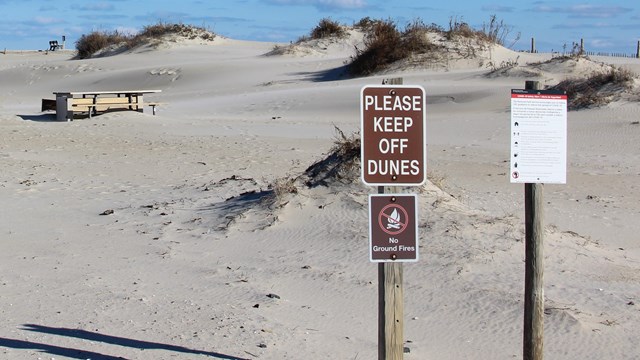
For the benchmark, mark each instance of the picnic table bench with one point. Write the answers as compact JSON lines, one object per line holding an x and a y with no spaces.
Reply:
{"x":91,"y":102}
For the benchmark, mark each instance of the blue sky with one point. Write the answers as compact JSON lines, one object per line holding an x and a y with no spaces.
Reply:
{"x":613,"y":26}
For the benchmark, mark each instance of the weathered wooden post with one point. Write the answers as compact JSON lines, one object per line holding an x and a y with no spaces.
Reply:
{"x":638,"y":50}
{"x":393,"y":124}
{"x":391,"y":307}
{"x":581,"y":50}
{"x":390,"y":296}
{"x":534,"y":265}
{"x":533,"y":45}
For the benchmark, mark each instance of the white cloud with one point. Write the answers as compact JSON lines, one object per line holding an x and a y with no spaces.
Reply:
{"x":585,"y":10}
{"x":498,"y":8}
{"x":97,"y":7}
{"x":41,"y":20}
{"x":325,"y":4}
{"x":601,"y":43}
{"x":597,"y":11}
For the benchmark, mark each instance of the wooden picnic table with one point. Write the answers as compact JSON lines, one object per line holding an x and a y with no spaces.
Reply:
{"x":92,"y":102}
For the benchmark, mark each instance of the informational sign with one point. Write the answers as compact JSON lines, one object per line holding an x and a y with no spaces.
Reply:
{"x":393,"y":227}
{"x":393,"y":142}
{"x":538,"y":136}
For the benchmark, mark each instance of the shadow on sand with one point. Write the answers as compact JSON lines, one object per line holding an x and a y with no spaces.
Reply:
{"x":335,"y":74}
{"x":96,"y":337}
{"x":39,"y":117}
{"x":55,"y":350}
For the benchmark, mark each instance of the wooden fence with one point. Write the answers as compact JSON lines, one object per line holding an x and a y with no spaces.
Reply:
{"x":593,"y":53}
{"x":580,"y":48}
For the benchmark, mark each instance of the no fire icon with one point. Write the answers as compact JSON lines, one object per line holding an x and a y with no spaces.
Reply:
{"x":393,"y":219}
{"x":393,"y":230}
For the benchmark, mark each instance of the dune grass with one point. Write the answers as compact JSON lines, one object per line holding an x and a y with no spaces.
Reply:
{"x":597,"y":88}
{"x":326,"y":28}
{"x":385,"y":43}
{"x":91,"y":43}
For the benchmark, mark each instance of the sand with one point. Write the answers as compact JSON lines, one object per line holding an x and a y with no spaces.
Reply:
{"x":135,"y":236}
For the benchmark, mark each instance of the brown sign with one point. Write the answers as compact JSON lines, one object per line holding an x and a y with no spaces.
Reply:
{"x":393,"y":228}
{"x":393,"y":135}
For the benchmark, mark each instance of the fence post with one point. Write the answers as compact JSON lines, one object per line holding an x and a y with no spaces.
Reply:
{"x":533,"y":45}
{"x":638,"y":50}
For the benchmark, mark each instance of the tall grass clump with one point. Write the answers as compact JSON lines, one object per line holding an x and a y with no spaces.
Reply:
{"x":366,"y":24}
{"x":341,"y":165}
{"x":384,"y":44}
{"x":91,"y":43}
{"x":595,"y":90}
{"x":459,"y":28}
{"x":95,"y":41}
{"x":188,"y":31}
{"x":495,"y":31}
{"x":327,"y":28}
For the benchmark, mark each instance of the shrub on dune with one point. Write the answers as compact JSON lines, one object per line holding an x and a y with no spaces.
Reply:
{"x":385,"y":44}
{"x":327,"y":28}
{"x":93,"y":42}
{"x":596,"y":89}
{"x":96,"y":41}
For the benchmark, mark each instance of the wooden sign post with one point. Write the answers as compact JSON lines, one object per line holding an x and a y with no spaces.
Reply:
{"x":533,"y":337}
{"x":393,"y":154}
{"x":390,"y":299}
{"x":390,"y":311}
{"x":538,"y":155}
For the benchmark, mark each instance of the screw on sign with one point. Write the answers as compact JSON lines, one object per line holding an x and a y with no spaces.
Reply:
{"x":393,"y":230}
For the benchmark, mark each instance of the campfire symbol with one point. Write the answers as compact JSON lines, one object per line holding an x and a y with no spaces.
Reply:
{"x":393,"y":221}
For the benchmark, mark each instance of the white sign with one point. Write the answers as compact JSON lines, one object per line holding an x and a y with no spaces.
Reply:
{"x":538,"y":137}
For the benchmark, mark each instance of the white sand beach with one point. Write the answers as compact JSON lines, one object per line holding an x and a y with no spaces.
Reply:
{"x":134,"y":236}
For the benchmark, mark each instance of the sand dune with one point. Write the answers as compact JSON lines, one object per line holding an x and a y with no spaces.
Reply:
{"x":135,"y":236}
